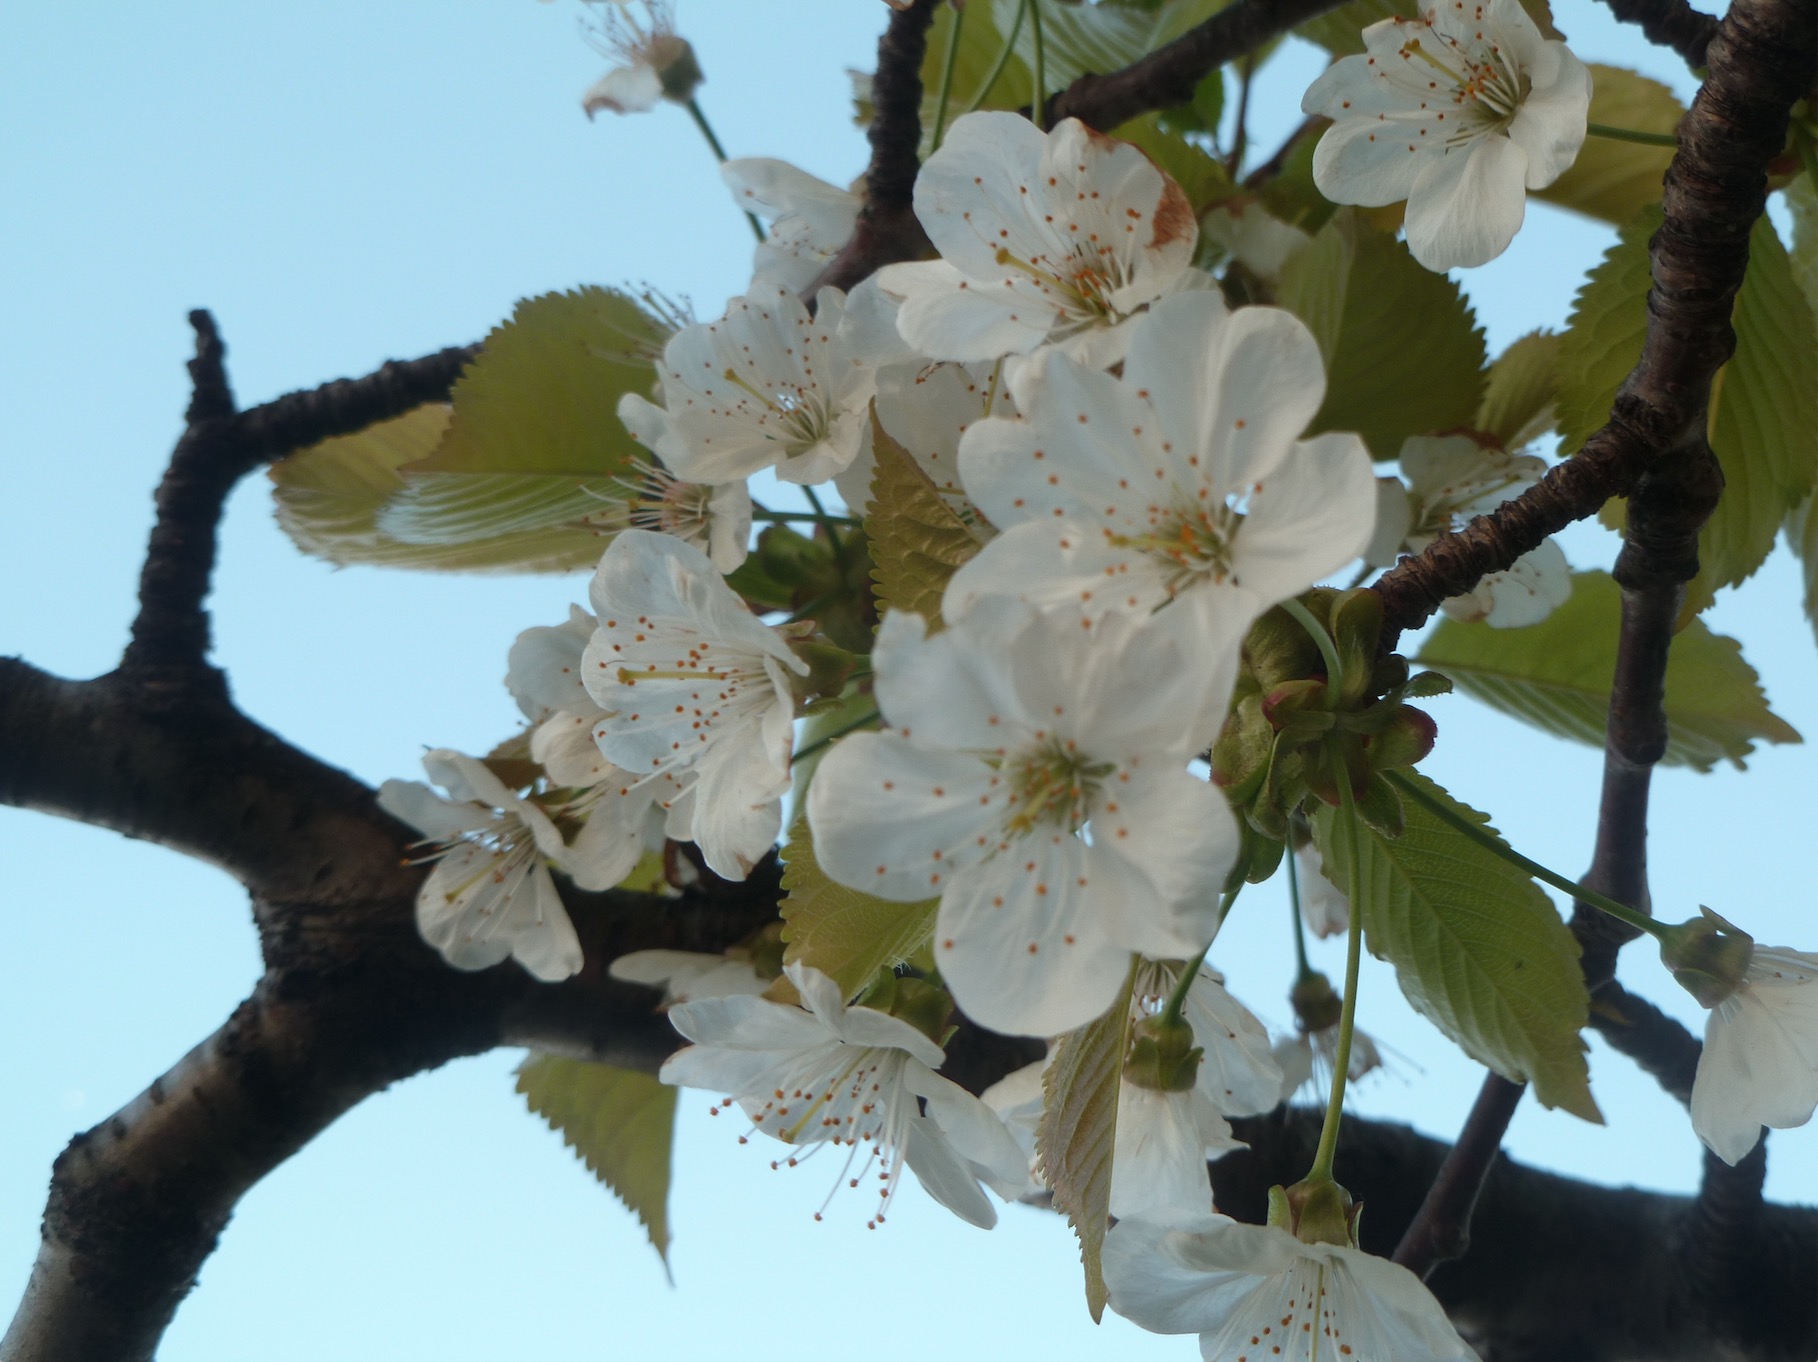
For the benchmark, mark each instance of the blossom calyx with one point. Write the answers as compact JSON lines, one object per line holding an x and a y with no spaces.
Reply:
{"x":1163,"y":1057}
{"x":925,"y":1006}
{"x":1315,"y":1211}
{"x":829,"y":668}
{"x":1708,"y":956}
{"x":1317,"y":1006}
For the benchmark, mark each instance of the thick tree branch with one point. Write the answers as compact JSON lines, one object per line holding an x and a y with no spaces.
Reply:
{"x":1670,"y":23}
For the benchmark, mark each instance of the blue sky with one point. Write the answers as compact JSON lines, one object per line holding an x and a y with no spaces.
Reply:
{"x":346,"y":183}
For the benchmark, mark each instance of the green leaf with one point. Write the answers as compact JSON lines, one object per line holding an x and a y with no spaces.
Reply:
{"x":1340,"y":31}
{"x":849,"y":936}
{"x":1402,"y":349}
{"x":1802,"y":202}
{"x":621,"y":1123}
{"x":1200,"y":175}
{"x":1079,"y":39}
{"x":1763,"y":422}
{"x":1557,"y":674}
{"x":1518,"y":394}
{"x":543,"y":394}
{"x":1615,"y":180}
{"x":917,"y":542}
{"x":980,"y":43}
{"x":1478,"y":949}
{"x":346,"y":500}
{"x":1078,"y":1131}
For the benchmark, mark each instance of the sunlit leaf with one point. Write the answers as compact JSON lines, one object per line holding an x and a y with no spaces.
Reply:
{"x":917,"y":542}
{"x":1478,"y":949}
{"x":1556,"y":675}
{"x":1518,"y":394}
{"x":621,"y":1123}
{"x":1615,"y":180}
{"x":847,"y":935}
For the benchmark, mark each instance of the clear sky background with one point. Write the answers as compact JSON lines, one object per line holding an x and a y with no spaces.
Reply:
{"x":344,"y":183}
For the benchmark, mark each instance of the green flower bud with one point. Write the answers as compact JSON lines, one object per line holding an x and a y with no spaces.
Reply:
{"x":1357,"y":630}
{"x":1406,"y":740}
{"x":1163,"y":1056}
{"x":1317,"y":1006}
{"x":1708,"y":956}
{"x":1240,"y":757}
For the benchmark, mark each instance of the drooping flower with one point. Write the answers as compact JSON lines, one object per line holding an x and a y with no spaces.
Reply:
{"x":1012,"y":733}
{"x":1323,"y":905}
{"x":1453,"y":478}
{"x":687,"y":975}
{"x":654,"y":62}
{"x":1045,"y":238}
{"x":1460,"y":112}
{"x":1183,"y":481}
{"x":715,"y":519}
{"x":1310,"y":1055}
{"x":828,"y":1073}
{"x":1258,"y":1294}
{"x":695,"y":689}
{"x":765,"y":386}
{"x":809,"y":219}
{"x":490,"y":895}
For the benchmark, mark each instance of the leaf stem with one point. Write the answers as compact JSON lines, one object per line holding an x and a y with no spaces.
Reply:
{"x":825,"y":521}
{"x":1038,"y":103}
{"x":1492,"y":843}
{"x":1347,"y":1017}
{"x":719,"y":154}
{"x":1335,"y":671}
{"x":838,"y":733}
{"x":948,"y":62}
{"x":1003,"y":58}
{"x":1646,"y":139}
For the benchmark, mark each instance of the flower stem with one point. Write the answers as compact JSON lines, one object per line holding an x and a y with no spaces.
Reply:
{"x":870,"y":716}
{"x":1177,"y":999}
{"x":1492,"y":843}
{"x":1328,"y":650}
{"x":825,"y":521}
{"x":798,"y":517}
{"x":1347,"y":1017}
{"x":1646,"y":139}
{"x":719,"y":154}
{"x":1038,"y":103}
{"x":948,"y":61}
{"x":1003,"y":59}
{"x":1300,"y":930}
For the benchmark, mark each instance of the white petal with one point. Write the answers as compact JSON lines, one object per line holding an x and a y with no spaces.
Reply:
{"x":624,"y":89}
{"x":1466,"y":207}
{"x":1309,"y":517}
{"x":1158,"y":1158}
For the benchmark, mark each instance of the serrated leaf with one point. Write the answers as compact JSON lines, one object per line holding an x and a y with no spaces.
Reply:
{"x":917,"y":542}
{"x":1078,"y":39}
{"x":1615,"y":180}
{"x":1478,"y":949}
{"x":1802,"y":202}
{"x":1557,"y":674}
{"x":543,"y":394}
{"x":1763,"y":422}
{"x":1518,"y":394}
{"x":1340,"y":31}
{"x":1403,"y":352}
{"x":847,"y":935}
{"x":1078,"y":1131}
{"x":621,"y":1123}
{"x":334,"y":499}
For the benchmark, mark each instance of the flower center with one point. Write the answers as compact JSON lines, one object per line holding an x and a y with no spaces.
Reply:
{"x":1485,"y":83}
{"x":1189,"y":543}
{"x":804,"y":416}
{"x":659,"y":501}
{"x":1082,"y":285}
{"x":1052,"y":785}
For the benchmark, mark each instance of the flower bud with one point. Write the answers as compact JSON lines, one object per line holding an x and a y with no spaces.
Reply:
{"x":1317,"y":1006}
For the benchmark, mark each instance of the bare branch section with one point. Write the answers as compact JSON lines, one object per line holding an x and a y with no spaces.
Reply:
{"x":1653,"y":447}
{"x":1670,"y":23}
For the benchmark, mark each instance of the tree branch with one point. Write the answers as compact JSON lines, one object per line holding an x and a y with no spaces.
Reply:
{"x":1670,"y":23}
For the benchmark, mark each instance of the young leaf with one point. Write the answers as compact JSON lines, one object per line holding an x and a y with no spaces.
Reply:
{"x":621,"y":1123}
{"x":1763,"y":423}
{"x":1518,"y":393}
{"x":543,"y":395}
{"x":1802,"y":202}
{"x":917,"y":542}
{"x":1402,"y":349}
{"x":974,"y":61}
{"x":1478,"y":949}
{"x":1615,"y":180}
{"x":1078,"y":1130}
{"x":848,"y":936}
{"x":341,"y":500}
{"x":1556,"y":675}
{"x":1077,"y":39}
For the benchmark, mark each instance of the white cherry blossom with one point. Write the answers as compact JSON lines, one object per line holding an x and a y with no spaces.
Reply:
{"x":490,"y":895}
{"x":1182,"y":481}
{"x":828,"y":1073}
{"x":714,"y":518}
{"x":1257,"y":1294}
{"x":686,"y":975}
{"x":927,"y":408}
{"x":1760,"y":1061}
{"x":765,"y":386}
{"x":695,"y":690}
{"x":1460,"y":112}
{"x":1012,"y":734}
{"x":1253,"y":237}
{"x":653,"y":62}
{"x":809,"y":219}
{"x":1045,"y":238}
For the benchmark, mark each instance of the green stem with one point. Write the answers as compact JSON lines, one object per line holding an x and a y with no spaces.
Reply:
{"x":1321,"y":1171}
{"x":1646,"y":139}
{"x":1239,"y":133}
{"x":1177,"y":999}
{"x":719,"y":154}
{"x":825,"y":521}
{"x":1492,"y":843}
{"x":837,"y":734}
{"x":798,"y":517}
{"x":810,"y":610}
{"x":1038,"y":104}
{"x":1300,"y":930}
{"x":946,"y":92}
{"x":1328,"y":650}
{"x":1003,"y":59}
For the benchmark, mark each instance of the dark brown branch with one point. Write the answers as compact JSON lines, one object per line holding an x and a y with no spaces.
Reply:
{"x":1169,"y":75}
{"x":1661,"y":1047}
{"x":1716,"y":188}
{"x":887,"y":230}
{"x":1670,"y":23}
{"x":1441,"y":1228}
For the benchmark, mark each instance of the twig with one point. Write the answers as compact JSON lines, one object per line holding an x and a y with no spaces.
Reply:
{"x":1441,"y":1229}
{"x":1670,"y":23}
{"x":1661,"y":1047}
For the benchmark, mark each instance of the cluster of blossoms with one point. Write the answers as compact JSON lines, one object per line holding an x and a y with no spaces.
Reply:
{"x":1131,"y":456}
